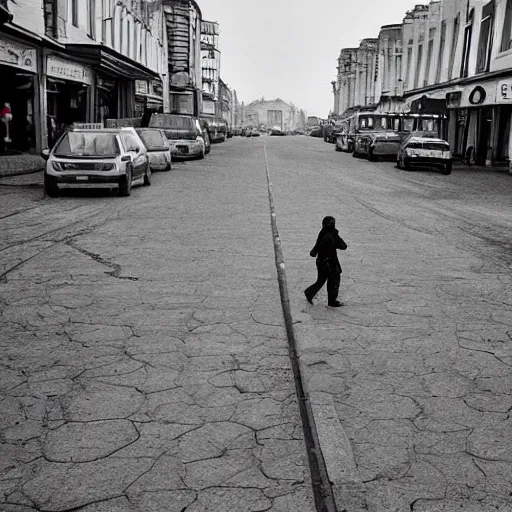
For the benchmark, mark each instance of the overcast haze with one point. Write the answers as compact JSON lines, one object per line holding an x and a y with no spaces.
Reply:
{"x":289,"y":49}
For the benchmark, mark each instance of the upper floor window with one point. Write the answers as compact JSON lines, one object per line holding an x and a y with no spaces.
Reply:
{"x":442,"y":43}
{"x":74,"y":12}
{"x":468,"y":33}
{"x":455,"y":41}
{"x":485,"y":42}
{"x":506,"y":35}
{"x":50,"y":18}
{"x":91,"y":19}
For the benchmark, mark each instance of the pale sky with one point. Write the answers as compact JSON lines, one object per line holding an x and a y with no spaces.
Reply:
{"x":289,"y":48}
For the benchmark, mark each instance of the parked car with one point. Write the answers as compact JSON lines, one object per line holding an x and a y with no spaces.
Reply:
{"x":329,"y":132}
{"x":255,"y":132}
{"x":247,"y":132}
{"x":276,"y":130}
{"x":158,"y":148}
{"x":317,"y":131}
{"x":104,"y":158}
{"x":206,"y":135}
{"x":184,"y":133}
{"x":418,"y":150}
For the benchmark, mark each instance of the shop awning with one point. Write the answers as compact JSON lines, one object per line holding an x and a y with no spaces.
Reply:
{"x":108,"y":61}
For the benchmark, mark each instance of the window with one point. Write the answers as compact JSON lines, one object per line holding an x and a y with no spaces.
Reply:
{"x":408,"y":68}
{"x":468,"y":33}
{"x":430,"y":52}
{"x":50,"y":18}
{"x":128,"y":38}
{"x":485,"y":42}
{"x":506,"y":36}
{"x":442,"y":43}
{"x":418,"y":66}
{"x":455,"y":40}
{"x":91,"y":22}
{"x":74,"y":12}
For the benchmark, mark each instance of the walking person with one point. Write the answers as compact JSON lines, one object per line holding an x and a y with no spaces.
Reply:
{"x":327,"y":263}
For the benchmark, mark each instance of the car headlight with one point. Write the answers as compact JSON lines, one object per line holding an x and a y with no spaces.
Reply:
{"x":56,"y":166}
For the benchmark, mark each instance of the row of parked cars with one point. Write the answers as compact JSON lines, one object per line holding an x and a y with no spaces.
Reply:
{"x":412,"y":140}
{"x":92,"y":156}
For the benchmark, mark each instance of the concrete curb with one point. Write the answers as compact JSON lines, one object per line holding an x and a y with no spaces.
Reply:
{"x":322,"y":489}
{"x":334,"y":442}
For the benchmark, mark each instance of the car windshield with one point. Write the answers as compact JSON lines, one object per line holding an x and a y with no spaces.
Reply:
{"x":93,"y":144}
{"x":152,"y":138}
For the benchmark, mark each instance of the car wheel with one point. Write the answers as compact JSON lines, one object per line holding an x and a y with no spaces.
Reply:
{"x":201,"y":155}
{"x":125,"y":183}
{"x":50,"y":186}
{"x":147,"y":176}
{"x":447,"y":168}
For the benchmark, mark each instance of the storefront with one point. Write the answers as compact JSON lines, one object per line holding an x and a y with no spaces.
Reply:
{"x":18,"y":69}
{"x":148,"y":98}
{"x":68,"y":89}
{"x":115,"y":77}
{"x":481,"y":113}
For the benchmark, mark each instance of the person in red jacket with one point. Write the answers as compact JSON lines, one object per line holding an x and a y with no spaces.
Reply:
{"x":327,"y":263}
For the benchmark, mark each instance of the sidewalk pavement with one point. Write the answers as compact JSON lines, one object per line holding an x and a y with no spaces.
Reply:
{"x":15,"y":165}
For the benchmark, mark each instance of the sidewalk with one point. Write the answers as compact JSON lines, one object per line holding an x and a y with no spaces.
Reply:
{"x":16,"y":165}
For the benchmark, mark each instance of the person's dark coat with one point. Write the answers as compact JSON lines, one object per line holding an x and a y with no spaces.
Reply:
{"x":325,"y":249}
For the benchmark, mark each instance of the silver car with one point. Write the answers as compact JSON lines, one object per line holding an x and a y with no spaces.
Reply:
{"x":158,"y":148}
{"x":99,"y":158}
{"x":419,"y":150}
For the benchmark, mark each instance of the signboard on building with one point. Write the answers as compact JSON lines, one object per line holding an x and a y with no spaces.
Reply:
{"x":141,"y":87}
{"x":66,"y":70}
{"x":208,"y":107}
{"x":18,"y":56}
{"x":182,"y":103}
{"x":504,"y":91}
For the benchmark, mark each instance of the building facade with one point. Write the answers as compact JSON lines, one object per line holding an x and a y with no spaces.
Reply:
{"x":210,"y":65}
{"x":266,"y":114}
{"x":356,"y":80}
{"x":183,"y":23}
{"x":450,"y":57}
{"x":65,"y":61}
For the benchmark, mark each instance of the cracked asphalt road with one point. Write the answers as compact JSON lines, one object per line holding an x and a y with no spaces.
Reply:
{"x":144,"y":365}
{"x":144,"y":362}
{"x":410,"y":381}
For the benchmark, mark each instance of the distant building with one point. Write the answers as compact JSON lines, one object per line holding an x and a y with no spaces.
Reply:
{"x":266,"y":114}
{"x":210,"y":66}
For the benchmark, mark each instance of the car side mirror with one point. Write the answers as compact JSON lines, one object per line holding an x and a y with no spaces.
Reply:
{"x":45,"y":153}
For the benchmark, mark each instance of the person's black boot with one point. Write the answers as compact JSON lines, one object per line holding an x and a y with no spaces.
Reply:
{"x":335,"y":304}
{"x":308,"y":298}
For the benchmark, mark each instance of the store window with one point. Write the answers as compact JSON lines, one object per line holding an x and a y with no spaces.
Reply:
{"x":485,"y":42}
{"x":506,"y":35}
{"x":17,"y":131}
